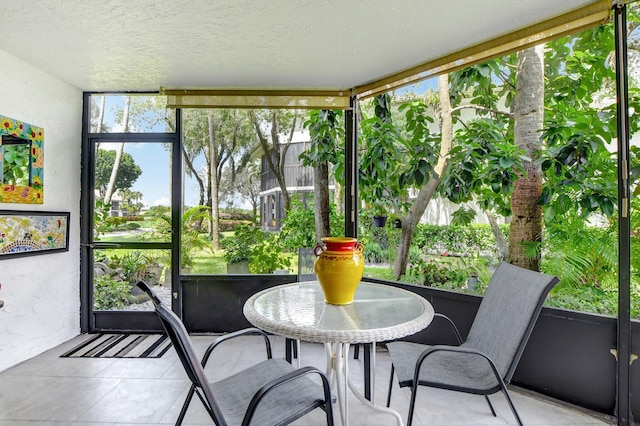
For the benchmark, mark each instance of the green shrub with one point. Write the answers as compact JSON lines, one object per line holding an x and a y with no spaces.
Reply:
{"x":193,"y":240}
{"x":439,"y":271}
{"x":109,"y":293}
{"x":415,"y":254}
{"x":460,"y":240}
{"x":264,"y":250}
{"x":370,"y":234}
{"x":132,"y":225}
{"x":238,"y":248}
{"x":236,"y":215}
{"x":373,"y":253}
{"x":298,"y":227}
{"x":116,"y":221}
{"x":131,"y":265}
{"x":591,"y":299}
{"x":451,"y":272}
{"x":230,"y":225}
{"x":387,"y":274}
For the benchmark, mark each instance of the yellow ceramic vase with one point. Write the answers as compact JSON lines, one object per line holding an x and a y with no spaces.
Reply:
{"x":339,"y":266}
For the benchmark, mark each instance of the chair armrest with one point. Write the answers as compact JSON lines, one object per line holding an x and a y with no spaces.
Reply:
{"x":229,"y":336}
{"x":457,"y":349}
{"x":286,"y":378}
{"x":145,"y":287}
{"x":452,"y":324}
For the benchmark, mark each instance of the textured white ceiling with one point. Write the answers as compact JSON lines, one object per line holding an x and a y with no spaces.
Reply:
{"x":140,"y":45}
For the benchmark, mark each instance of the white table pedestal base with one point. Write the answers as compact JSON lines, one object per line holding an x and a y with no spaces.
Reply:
{"x":338,"y":375}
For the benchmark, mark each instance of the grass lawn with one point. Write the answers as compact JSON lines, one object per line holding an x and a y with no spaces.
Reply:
{"x":207,"y":263}
{"x":126,"y":238}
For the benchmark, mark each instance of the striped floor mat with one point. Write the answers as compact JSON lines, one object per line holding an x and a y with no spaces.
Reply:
{"x":121,"y":346}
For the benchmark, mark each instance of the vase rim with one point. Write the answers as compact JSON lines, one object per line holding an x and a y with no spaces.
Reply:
{"x":339,"y":240}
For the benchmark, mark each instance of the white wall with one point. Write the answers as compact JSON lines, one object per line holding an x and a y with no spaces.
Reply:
{"x":41,"y":293}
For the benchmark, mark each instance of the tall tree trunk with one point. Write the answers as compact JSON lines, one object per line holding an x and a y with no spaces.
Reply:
{"x":111,"y":187}
{"x":195,"y":175}
{"x":275,"y":155}
{"x":213,"y":173}
{"x":501,"y":241}
{"x":282,"y":160}
{"x":526,"y":224}
{"x":321,"y":200}
{"x":100,"y":119}
{"x":337,"y":196}
{"x":421,"y":202}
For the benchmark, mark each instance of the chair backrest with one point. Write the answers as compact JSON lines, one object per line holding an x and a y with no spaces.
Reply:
{"x":306,"y":260}
{"x":182,"y":344}
{"x":507,"y":315}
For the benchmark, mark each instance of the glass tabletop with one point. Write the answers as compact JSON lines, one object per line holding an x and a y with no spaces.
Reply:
{"x":378,"y":313}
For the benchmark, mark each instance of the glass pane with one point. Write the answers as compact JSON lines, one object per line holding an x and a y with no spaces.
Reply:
{"x":131,"y":114}
{"x":135,"y":207}
{"x":403,"y":128}
{"x":231,"y":238}
{"x":116,"y":272}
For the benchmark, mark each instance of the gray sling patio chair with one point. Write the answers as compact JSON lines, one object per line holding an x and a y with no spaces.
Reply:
{"x":485,"y":362}
{"x":271,"y":392}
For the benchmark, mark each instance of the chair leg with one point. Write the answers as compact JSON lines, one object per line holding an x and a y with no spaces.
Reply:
{"x":412,"y":404}
{"x":513,"y":407}
{"x":503,"y":387}
{"x":390,"y":386}
{"x":296,"y":351}
{"x":486,"y":397}
{"x":328,"y":412}
{"x":288,"y":351}
{"x":185,"y":406}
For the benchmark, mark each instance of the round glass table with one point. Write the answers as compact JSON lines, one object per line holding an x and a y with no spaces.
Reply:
{"x":378,"y":313}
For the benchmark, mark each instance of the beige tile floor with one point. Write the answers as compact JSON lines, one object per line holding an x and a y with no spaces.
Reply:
{"x":52,"y":391}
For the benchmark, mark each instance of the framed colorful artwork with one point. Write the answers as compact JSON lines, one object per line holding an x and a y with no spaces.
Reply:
{"x":24,"y":233}
{"x":21,"y":161}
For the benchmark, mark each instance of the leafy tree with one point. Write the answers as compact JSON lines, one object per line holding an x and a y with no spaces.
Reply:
{"x":379,"y":186}
{"x":220,"y":136}
{"x":131,"y":201}
{"x":395,"y":161}
{"x":97,"y":115}
{"x":580,"y":170}
{"x":128,"y":171}
{"x":528,"y":111}
{"x":431,"y":174}
{"x":327,"y":146}
{"x":281,"y":125}
{"x":193,"y":237}
{"x":570,"y":149}
{"x":113,"y":177}
{"x":297,"y":229}
{"x":242,"y":186}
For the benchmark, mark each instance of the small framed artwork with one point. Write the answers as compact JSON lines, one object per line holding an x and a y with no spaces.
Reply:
{"x":24,"y":233}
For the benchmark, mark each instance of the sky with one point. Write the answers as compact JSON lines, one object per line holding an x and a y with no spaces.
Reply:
{"x":155,"y":181}
{"x":154,"y":159}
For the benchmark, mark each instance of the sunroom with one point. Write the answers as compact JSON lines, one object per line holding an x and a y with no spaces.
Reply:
{"x":62,"y":59}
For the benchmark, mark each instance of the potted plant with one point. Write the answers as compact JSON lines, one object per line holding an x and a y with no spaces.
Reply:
{"x":395,"y":220}
{"x":379,"y":212}
{"x":237,"y":250}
